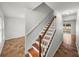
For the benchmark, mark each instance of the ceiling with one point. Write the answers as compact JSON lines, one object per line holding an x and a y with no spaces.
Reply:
{"x":19,"y":8}
{"x":30,"y":5}
{"x":62,"y":6}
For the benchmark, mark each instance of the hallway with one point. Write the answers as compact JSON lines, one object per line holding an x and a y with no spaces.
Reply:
{"x":67,"y":49}
{"x":39,"y":29}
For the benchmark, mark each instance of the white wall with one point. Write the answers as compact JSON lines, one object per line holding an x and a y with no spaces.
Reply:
{"x":35,"y":21}
{"x":34,"y":17}
{"x":15,"y":17}
{"x":70,"y":17}
{"x":14,"y":27}
{"x":3,"y":36}
{"x":77,"y":31}
{"x":73,"y":17}
{"x":14,"y":20}
{"x":58,"y":38}
{"x":59,"y":21}
{"x":55,"y":44}
{"x":13,"y":11}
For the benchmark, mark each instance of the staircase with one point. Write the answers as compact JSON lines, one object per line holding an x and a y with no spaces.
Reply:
{"x":46,"y":37}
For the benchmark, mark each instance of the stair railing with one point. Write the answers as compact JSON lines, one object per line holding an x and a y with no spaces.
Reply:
{"x":41,"y":37}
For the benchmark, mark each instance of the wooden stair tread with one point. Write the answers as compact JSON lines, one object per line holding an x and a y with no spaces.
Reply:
{"x":50,"y":30}
{"x":33,"y":52}
{"x":27,"y":55}
{"x":46,"y":37}
{"x":37,"y":40}
{"x":42,"y":32}
{"x":48,"y":33}
{"x":36,"y":46}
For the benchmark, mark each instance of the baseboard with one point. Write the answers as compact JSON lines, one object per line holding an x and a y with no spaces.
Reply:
{"x":16,"y":37}
{"x":2,"y":45}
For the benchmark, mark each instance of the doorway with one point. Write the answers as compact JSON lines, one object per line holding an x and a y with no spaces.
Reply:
{"x":67,"y":33}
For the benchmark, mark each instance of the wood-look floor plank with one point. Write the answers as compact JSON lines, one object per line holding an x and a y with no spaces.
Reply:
{"x":68,"y":50}
{"x":13,"y":47}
